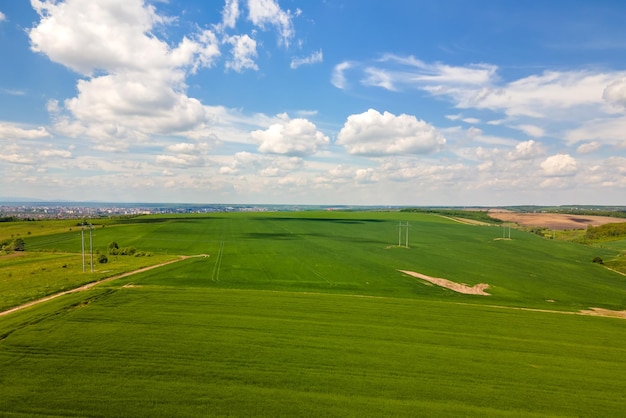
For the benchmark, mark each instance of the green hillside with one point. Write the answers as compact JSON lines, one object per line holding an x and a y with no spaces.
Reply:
{"x":306,"y":314}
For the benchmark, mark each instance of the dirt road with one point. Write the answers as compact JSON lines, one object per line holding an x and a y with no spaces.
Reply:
{"x":92,"y":284}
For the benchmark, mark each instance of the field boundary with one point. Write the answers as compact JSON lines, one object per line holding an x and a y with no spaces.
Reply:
{"x":92,"y":284}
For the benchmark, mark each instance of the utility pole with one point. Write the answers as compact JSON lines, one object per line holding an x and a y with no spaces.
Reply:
{"x":82,"y":242}
{"x":399,"y":232}
{"x":91,"y":245}
{"x":407,"y":234}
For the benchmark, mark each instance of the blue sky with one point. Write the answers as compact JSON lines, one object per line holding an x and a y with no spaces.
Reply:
{"x":314,"y":102}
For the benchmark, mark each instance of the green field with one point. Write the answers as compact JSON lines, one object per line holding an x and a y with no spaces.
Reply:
{"x":306,"y":314}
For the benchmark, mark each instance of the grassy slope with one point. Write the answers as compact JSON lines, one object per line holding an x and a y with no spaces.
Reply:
{"x":357,"y":253}
{"x":234,"y":334}
{"x":183,"y":350}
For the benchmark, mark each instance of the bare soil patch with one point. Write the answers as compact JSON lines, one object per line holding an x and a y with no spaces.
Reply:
{"x":554,"y":220}
{"x":478,"y":289}
{"x":604,"y":312}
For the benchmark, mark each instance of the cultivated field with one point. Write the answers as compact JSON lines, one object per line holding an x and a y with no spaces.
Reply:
{"x":316,"y":314}
{"x":553,"y":220}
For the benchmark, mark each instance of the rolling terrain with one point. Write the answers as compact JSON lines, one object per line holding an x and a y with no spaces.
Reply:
{"x":308,"y":313}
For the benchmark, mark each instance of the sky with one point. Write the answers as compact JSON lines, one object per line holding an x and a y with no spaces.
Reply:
{"x":328,"y":102}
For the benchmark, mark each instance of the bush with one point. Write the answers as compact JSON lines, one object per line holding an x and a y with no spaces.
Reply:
{"x":113,"y":248}
{"x":102,"y":259}
{"x":18,"y":244}
{"x":598,"y":260}
{"x":128,"y":251}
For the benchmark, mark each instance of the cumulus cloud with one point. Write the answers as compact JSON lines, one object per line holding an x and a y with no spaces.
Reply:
{"x":2,"y":17}
{"x":366,"y":175}
{"x":294,"y":137}
{"x":314,"y":58}
{"x":527,"y":150}
{"x":243,"y":53}
{"x":12,"y":131}
{"x":15,"y":158}
{"x":559,"y":165}
{"x":186,"y":147}
{"x":268,"y":12}
{"x":615,"y":92}
{"x":134,"y":83}
{"x":374,"y":134}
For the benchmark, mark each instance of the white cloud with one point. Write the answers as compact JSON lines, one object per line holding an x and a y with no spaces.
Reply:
{"x":535,"y":104}
{"x":15,"y":158}
{"x":601,"y":130}
{"x":531,"y":130}
{"x":338,"y":78}
{"x":341,"y":172}
{"x":12,"y":131}
{"x":425,"y":174}
{"x":135,"y":82}
{"x":472,"y":121}
{"x":376,"y":77}
{"x":366,"y":175}
{"x":527,"y":150}
{"x":243,"y":53}
{"x":52,"y":153}
{"x":183,"y":147}
{"x":559,"y":165}
{"x":588,"y":147}
{"x":375,"y":134}
{"x":295,"y":137}
{"x":264,"y":12}
{"x":2,"y":17}
{"x":542,"y":96}
{"x":314,"y":58}
{"x":180,"y":160}
{"x":230,"y":14}
{"x":412,"y":71}
{"x":615,"y":92}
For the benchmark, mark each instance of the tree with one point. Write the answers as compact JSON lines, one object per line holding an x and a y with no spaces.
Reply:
{"x":18,"y":244}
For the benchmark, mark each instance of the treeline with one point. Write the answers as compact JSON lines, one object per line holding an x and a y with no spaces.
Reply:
{"x":610,"y":231}
{"x":475,"y":215}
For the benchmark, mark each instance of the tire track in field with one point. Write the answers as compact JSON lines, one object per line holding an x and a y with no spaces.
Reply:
{"x":321,"y":276}
{"x":97,"y":282}
{"x":215,"y":277}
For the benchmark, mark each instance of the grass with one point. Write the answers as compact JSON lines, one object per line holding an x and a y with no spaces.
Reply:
{"x":28,"y":276}
{"x":305,"y":314}
{"x":179,"y":350}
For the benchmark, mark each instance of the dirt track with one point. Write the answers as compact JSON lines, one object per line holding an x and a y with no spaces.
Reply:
{"x":92,"y":284}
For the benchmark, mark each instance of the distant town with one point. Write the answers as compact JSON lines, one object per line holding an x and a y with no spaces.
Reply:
{"x":79,"y":210}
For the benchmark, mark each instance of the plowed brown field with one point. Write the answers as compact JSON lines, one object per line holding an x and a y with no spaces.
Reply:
{"x":554,"y":220}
